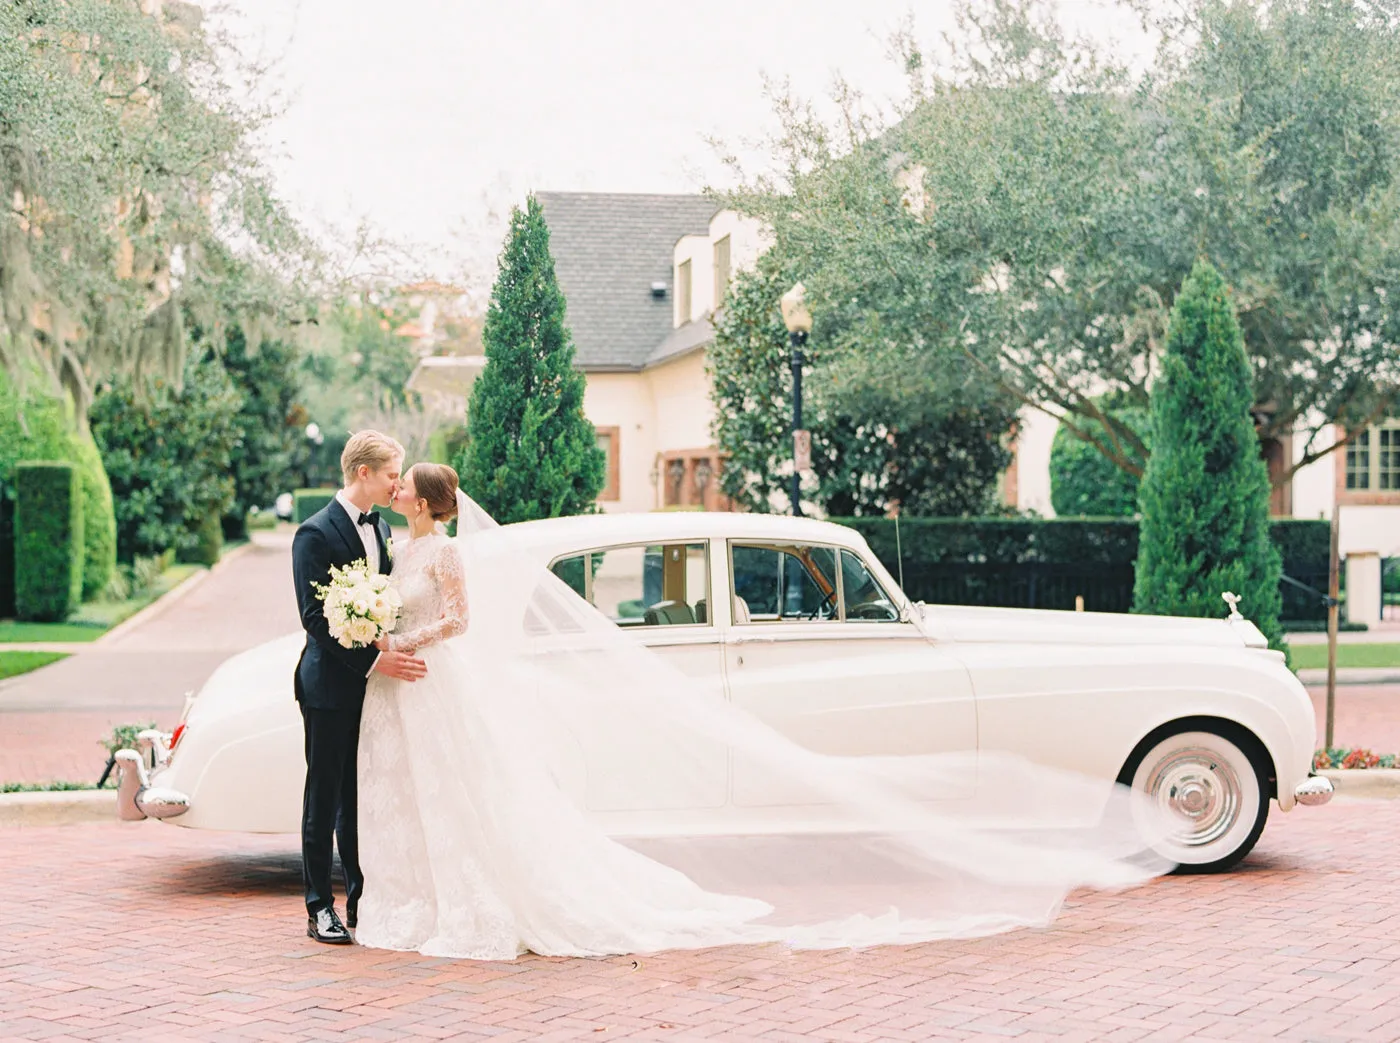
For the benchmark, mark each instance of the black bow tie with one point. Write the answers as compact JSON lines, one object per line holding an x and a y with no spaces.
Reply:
{"x":372,"y":518}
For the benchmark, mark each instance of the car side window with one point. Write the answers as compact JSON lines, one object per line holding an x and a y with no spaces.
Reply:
{"x":643,"y":586}
{"x":865,"y":599}
{"x":783,"y":582}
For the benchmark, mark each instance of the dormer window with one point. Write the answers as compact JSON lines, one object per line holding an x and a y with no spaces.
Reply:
{"x":683,"y":287}
{"x":721,"y":269}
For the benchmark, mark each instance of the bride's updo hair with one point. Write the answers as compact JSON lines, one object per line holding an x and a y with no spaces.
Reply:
{"x":437,"y":484}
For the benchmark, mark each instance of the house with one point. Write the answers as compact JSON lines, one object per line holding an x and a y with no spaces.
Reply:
{"x":641,"y":275}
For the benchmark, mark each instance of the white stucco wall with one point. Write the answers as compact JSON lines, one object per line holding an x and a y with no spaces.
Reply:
{"x":1314,"y":485}
{"x":623,"y":401}
{"x":1033,"y":461}
{"x":680,"y":391}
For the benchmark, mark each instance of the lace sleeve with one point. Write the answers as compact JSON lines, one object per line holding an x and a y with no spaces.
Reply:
{"x":446,"y":571}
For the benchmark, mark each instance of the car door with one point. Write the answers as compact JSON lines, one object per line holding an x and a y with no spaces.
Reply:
{"x":816,"y":647}
{"x":660,"y":594}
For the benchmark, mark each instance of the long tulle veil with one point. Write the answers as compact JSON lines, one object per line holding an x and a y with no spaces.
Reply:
{"x":888,"y":864}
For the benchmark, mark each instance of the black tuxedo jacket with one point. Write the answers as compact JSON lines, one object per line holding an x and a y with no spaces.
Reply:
{"x":329,"y":676}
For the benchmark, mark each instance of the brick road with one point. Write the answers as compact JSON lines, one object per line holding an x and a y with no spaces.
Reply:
{"x":152,"y":932}
{"x":51,"y":719}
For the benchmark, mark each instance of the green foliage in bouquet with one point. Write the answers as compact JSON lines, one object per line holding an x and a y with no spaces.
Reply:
{"x":168,"y":453}
{"x":48,"y":541}
{"x":532,"y":453}
{"x":1205,"y":496}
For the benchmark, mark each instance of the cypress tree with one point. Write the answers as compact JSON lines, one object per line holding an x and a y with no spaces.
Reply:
{"x":531,"y":452}
{"x":1205,"y":495}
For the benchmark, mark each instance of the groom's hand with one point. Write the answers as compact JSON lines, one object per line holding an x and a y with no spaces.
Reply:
{"x":401,"y":665}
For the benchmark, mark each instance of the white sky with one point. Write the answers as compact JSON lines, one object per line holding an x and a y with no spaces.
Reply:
{"x":430,"y":118}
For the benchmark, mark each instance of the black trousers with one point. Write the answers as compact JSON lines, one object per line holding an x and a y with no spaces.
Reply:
{"x":328,"y":806}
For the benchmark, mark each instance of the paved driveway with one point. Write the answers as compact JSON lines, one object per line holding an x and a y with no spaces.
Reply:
{"x":153,"y":932}
{"x":51,"y":719}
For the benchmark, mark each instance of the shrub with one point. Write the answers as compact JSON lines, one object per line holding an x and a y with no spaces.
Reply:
{"x":36,"y":424}
{"x":208,"y":546}
{"x":1084,"y":482}
{"x":1205,"y":495}
{"x":306,"y":502}
{"x":99,"y":518}
{"x":259,"y":521}
{"x":168,"y":455}
{"x":48,"y":541}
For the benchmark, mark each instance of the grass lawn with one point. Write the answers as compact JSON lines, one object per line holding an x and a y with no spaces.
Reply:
{"x":95,"y":618}
{"x":12,"y":664}
{"x":1352,"y":655}
{"x":106,"y":614}
{"x":16,"y":633}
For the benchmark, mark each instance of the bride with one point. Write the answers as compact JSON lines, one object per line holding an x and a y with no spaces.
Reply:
{"x":471,"y":848}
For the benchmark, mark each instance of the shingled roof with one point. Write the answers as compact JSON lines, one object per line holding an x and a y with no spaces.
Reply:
{"x":608,"y":249}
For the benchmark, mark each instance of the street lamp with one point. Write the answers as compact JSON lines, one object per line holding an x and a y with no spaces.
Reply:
{"x":798,"y":321}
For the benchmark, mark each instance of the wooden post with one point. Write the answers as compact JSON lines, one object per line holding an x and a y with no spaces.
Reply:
{"x":1333,"y":593}
{"x":1079,"y":602}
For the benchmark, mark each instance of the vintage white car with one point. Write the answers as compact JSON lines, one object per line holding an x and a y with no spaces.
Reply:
{"x":796,"y":621}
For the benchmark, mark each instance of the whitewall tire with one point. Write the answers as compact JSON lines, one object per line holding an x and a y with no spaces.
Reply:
{"x":1215,"y":795}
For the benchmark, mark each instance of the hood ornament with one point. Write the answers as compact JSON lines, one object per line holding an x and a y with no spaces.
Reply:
{"x":1233,"y":600}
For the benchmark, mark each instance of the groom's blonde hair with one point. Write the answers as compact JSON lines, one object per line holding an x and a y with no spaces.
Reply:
{"x":374,"y":449}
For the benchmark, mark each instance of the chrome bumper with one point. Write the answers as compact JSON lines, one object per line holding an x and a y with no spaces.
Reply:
{"x":1314,"y":791}
{"x":136,"y":797}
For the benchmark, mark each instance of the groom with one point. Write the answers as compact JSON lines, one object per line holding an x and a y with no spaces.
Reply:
{"x":330,"y":679}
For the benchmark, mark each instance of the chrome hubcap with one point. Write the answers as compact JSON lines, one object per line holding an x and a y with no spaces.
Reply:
{"x":1202,"y":792}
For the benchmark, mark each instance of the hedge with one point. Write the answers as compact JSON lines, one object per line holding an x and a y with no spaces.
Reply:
{"x":306,"y":502}
{"x":1046,"y":563}
{"x":99,"y":518}
{"x":48,"y":541}
{"x":36,"y":424}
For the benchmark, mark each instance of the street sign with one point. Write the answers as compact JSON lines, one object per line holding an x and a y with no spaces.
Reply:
{"x":802,"y":450}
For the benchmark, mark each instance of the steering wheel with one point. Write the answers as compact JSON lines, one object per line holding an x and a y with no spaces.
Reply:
{"x":825,"y":601}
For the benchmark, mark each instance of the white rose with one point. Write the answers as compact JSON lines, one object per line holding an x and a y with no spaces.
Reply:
{"x":363,"y":631}
{"x":361,"y":606}
{"x":380,"y":583}
{"x":354,"y":577}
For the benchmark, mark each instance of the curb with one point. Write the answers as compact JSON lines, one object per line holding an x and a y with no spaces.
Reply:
{"x":1370,"y":783}
{"x":69,"y":807}
{"x":1314,"y":677}
{"x":58,"y":808}
{"x":168,"y":598}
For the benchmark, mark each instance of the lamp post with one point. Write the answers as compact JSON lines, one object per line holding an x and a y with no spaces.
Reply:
{"x":798,"y":321}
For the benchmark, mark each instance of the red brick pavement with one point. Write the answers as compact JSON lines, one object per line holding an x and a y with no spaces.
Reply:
{"x":1367,"y":715}
{"x":152,"y":932}
{"x":50,"y":747}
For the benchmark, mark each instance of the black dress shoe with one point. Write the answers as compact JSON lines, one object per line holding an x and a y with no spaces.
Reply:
{"x":325,"y":926}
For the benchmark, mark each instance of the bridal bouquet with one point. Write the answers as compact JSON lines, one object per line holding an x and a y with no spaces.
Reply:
{"x":360,"y":606}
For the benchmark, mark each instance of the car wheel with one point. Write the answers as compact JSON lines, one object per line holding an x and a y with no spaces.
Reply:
{"x":1213,"y":792}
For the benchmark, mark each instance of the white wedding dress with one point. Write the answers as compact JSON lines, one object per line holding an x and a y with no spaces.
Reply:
{"x":470,"y":847}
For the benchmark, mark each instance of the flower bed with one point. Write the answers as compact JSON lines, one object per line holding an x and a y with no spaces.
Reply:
{"x":1347,"y":757}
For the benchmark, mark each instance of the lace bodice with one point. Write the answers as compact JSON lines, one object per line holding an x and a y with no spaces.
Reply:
{"x":428,"y":576}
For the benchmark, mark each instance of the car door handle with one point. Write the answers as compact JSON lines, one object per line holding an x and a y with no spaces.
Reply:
{"x":746,"y":640}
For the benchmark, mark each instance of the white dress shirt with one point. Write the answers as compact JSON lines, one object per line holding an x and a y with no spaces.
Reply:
{"x":368,"y":538}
